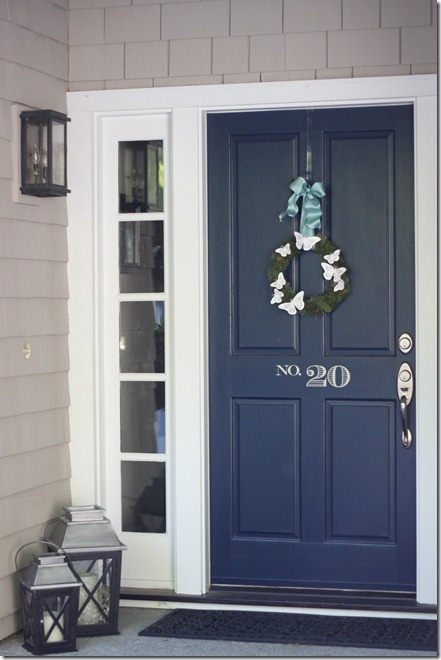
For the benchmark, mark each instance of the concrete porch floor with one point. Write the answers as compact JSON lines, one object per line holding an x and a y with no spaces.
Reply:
{"x":133,"y":619}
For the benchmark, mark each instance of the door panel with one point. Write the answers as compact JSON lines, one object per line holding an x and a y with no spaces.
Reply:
{"x":310,"y":484}
{"x":360,"y":501}
{"x":361,"y":194}
{"x":281,"y":152}
{"x":266,"y":510}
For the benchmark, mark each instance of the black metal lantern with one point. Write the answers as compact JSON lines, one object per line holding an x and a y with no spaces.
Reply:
{"x":49,"y":593}
{"x":96,"y":553}
{"x":44,"y":153}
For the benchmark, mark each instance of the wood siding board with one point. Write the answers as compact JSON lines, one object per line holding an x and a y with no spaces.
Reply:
{"x":34,"y":424}
{"x":30,"y":432}
{"x":31,"y":507}
{"x":34,"y":469}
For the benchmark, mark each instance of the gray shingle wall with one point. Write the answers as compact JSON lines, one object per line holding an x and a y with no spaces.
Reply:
{"x":34,"y":396}
{"x":145,"y":43}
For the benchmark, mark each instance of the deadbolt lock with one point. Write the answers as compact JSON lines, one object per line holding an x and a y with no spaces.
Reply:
{"x":405,"y":343}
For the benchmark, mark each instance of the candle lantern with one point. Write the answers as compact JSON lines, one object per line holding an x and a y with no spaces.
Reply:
{"x":49,"y":594}
{"x":44,"y":153}
{"x":96,"y":554}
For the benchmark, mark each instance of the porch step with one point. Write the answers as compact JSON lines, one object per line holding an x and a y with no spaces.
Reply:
{"x":307,"y":598}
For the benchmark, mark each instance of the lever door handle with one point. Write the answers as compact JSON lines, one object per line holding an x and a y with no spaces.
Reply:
{"x":406,"y":435}
{"x":405,"y":394}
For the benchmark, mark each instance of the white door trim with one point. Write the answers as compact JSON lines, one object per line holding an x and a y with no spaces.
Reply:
{"x":188,"y":107}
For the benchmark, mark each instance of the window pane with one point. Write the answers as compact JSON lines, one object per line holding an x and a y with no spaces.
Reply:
{"x":143,"y":497}
{"x":143,"y":417}
{"x":141,"y":339}
{"x":141,"y":176}
{"x":141,"y":257}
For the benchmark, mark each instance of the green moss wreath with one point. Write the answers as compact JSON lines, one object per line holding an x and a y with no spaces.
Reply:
{"x":335,"y":270}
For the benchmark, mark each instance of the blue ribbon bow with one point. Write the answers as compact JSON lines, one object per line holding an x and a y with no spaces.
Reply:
{"x":311,"y":207}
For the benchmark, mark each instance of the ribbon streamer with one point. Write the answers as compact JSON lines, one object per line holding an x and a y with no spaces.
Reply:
{"x":311,"y":207}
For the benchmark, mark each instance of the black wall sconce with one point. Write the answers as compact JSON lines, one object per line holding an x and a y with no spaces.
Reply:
{"x":44,"y":153}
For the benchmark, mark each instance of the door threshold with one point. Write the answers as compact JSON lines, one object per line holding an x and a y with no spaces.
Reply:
{"x":289,"y":598}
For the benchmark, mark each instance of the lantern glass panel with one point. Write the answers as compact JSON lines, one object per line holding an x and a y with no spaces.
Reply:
{"x":36,"y":153}
{"x":53,"y":619}
{"x":30,"y":625}
{"x":58,"y":153}
{"x":94,"y":601}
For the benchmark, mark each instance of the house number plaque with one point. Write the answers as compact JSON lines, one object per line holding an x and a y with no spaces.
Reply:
{"x":336,"y":376}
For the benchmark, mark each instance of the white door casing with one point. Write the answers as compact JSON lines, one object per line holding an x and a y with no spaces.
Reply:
{"x":186,"y":108}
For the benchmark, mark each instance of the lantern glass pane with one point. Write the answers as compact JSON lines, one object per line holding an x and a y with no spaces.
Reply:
{"x":141,"y":340}
{"x":141,"y":176}
{"x":58,"y":153}
{"x":142,"y":417}
{"x":143,"y":497}
{"x":54,"y":626}
{"x":36,"y":153}
{"x":141,"y":257}
{"x":95,"y":592}
{"x":30,"y":626}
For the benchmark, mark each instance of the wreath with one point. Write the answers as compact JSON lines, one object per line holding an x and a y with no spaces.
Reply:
{"x":335,"y":271}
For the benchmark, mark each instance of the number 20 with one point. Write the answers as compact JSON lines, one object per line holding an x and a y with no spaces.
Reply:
{"x":320,"y":377}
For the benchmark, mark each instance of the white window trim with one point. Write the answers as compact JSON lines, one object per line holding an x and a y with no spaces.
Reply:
{"x":188,"y":107}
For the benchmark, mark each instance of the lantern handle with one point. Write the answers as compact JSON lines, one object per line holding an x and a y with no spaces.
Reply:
{"x":53,"y":545}
{"x":49,"y":522}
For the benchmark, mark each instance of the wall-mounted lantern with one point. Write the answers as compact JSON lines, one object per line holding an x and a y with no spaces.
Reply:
{"x":96,"y":554}
{"x":49,"y":594}
{"x":44,"y":153}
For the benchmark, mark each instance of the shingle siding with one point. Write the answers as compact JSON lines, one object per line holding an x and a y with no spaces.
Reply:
{"x":190,"y":42}
{"x":34,"y":395}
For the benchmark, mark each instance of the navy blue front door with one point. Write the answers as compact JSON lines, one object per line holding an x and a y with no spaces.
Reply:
{"x":311,"y":485}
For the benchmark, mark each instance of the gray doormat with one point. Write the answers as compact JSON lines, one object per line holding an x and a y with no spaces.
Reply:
{"x":285,"y":628}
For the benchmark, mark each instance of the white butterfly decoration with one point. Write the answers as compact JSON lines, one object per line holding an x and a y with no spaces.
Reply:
{"x":305,"y":242}
{"x":284,"y":250}
{"x":329,"y":272}
{"x":277,"y":297}
{"x":339,"y":286}
{"x":279,"y":283}
{"x":296,"y":303}
{"x":331,"y":258}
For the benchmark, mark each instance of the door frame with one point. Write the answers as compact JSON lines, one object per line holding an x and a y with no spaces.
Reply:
{"x":188,"y":107}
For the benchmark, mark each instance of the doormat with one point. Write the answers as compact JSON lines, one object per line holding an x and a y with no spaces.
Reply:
{"x":285,"y":628}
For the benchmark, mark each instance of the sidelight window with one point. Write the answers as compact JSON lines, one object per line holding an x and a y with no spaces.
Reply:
{"x":142,"y":326}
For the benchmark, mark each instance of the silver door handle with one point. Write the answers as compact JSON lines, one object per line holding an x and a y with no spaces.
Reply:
{"x":405,"y":394}
{"x":406,"y":435}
